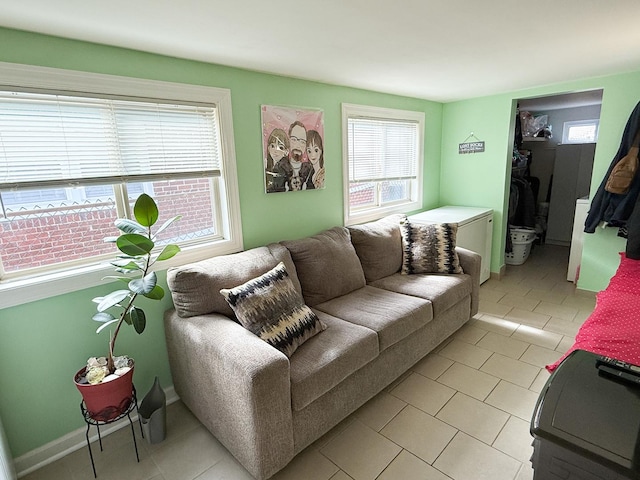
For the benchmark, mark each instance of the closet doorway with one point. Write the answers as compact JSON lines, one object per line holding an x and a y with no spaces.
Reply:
{"x":554,"y":146}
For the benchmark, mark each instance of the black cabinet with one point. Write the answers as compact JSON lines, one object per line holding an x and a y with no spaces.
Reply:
{"x":586,"y":424}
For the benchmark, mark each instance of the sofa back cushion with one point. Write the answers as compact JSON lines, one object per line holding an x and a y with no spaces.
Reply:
{"x":379,"y":246}
{"x":281,"y":254}
{"x":327,"y":265}
{"x":195,"y":288}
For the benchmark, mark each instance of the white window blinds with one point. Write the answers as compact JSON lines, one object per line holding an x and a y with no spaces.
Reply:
{"x":49,"y":140}
{"x":382,"y":149}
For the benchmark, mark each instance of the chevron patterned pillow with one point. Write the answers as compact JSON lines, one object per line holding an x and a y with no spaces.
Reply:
{"x":270,"y":307}
{"x":429,"y":248}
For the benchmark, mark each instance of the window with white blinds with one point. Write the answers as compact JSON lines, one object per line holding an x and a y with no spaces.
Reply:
{"x":77,"y":149}
{"x":382,"y":150}
{"x":48,"y":140}
{"x":383,"y":161}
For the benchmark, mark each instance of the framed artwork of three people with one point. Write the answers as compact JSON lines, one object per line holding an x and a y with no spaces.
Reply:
{"x":293,"y":148}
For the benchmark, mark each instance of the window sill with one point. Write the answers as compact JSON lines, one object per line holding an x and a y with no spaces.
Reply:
{"x":378,"y":213}
{"x":19,"y":291}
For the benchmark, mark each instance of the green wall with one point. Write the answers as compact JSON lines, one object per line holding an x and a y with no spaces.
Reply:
{"x":42,"y":344}
{"x":478,"y":179}
{"x":482,"y":179}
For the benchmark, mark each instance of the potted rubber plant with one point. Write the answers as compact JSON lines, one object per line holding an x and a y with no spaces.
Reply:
{"x":106,"y":383}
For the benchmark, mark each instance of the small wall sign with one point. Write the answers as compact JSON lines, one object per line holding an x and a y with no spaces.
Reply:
{"x":475,"y":146}
{"x":470,"y":147}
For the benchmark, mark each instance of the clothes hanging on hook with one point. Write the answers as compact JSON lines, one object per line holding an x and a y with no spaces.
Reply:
{"x":517,"y":140}
{"x":612,"y":208}
{"x":522,"y":210}
{"x":522,"y":207}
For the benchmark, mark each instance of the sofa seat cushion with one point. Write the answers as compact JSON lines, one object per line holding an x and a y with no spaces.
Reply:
{"x":391,"y":315}
{"x":327,"y":265}
{"x":442,"y":290}
{"x":328,"y":358}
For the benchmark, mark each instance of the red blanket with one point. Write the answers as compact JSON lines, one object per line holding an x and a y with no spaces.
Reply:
{"x":613,"y":329}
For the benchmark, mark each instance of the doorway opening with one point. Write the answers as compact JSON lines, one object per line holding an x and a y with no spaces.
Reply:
{"x":554,"y":146}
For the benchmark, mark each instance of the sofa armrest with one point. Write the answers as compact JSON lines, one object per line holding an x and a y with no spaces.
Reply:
{"x":237,"y":385}
{"x":471,"y":265}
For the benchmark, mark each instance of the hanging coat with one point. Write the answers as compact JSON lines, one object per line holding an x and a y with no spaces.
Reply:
{"x":612,"y":208}
{"x":632,"y":249}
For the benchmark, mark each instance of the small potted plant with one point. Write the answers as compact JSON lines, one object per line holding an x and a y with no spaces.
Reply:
{"x":106,"y":383}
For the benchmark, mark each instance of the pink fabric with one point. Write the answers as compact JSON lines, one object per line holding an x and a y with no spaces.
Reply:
{"x":613,"y":329}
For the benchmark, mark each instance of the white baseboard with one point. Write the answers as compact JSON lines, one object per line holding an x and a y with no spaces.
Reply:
{"x":71,"y":442}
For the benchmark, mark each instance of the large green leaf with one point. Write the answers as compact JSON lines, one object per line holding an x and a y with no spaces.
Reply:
{"x":145,"y":210}
{"x":144,"y":285}
{"x":103,"y":317}
{"x":112,"y":299}
{"x":105,"y":325}
{"x":156,"y":294}
{"x":126,"y":266}
{"x":136,"y":317}
{"x":167,"y":224}
{"x":167,"y":252}
{"x":120,"y":279}
{"x":128,"y":226}
{"x":134,"y":244}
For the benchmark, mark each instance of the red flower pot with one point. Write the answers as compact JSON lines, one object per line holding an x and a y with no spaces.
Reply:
{"x":108,"y":400}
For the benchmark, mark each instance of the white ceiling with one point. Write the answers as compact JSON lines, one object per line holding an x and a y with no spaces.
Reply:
{"x":441,"y":50}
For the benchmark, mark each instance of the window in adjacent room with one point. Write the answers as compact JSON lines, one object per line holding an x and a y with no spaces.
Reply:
{"x":72,"y":160}
{"x":383,"y":154}
{"x":580,"y":131}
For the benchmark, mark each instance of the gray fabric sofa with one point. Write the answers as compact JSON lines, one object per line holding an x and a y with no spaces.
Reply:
{"x":266,"y":408}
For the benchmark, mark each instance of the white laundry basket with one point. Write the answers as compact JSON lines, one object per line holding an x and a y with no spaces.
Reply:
{"x":522,"y":234}
{"x":521,"y":240}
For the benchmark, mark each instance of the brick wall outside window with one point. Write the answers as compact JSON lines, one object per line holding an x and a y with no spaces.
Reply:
{"x":56,"y":234}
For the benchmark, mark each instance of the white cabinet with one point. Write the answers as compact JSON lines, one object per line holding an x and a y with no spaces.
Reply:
{"x":575,"y":253}
{"x":571,"y":180}
{"x":475,"y":230}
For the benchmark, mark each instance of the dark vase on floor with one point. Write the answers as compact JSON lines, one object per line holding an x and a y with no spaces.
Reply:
{"x":153,"y":413}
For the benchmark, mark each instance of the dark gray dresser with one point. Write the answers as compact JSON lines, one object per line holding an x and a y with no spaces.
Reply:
{"x":586,"y":423}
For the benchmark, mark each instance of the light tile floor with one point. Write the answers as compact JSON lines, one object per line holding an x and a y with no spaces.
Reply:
{"x":461,"y":413}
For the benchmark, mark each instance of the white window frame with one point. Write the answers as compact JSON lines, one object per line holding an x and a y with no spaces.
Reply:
{"x":365,"y":111}
{"x":579,"y":123}
{"x":22,"y":290}
{"x":77,"y":194}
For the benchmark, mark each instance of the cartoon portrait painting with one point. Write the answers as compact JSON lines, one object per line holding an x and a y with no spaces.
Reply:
{"x":293,"y":149}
